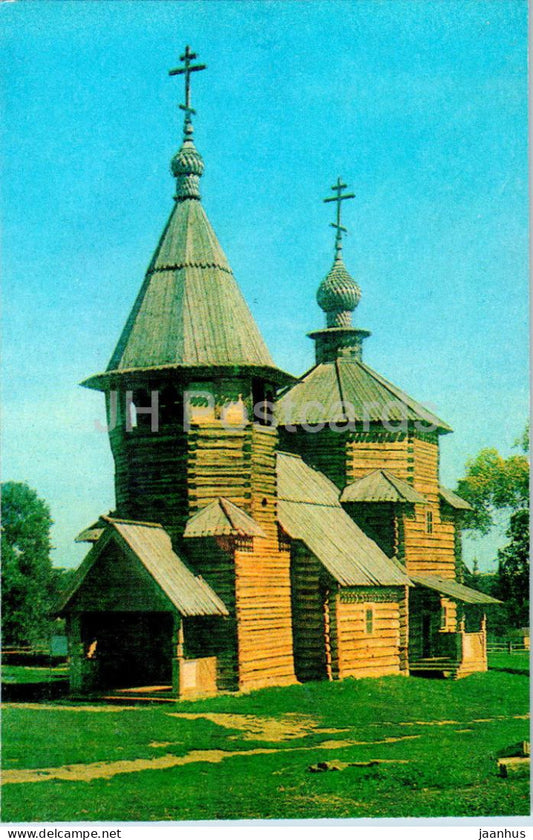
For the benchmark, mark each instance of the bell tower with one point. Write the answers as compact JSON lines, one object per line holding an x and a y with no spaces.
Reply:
{"x":189,"y":393}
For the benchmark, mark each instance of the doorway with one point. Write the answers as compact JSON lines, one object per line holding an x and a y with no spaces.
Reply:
{"x":129,"y":649}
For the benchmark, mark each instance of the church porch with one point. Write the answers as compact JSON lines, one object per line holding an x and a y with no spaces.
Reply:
{"x":447,"y":628}
{"x":133,"y":611}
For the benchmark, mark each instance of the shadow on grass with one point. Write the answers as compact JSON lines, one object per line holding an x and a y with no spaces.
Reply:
{"x":33,"y":692}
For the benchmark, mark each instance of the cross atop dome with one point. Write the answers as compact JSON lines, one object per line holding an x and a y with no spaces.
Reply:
{"x":187,"y":165}
{"x":338,"y":198}
{"x":187,"y":58}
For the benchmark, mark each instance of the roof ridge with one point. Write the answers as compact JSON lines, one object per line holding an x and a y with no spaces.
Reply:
{"x":400,"y":394}
{"x":307,"y":502}
{"x":112,"y":520}
{"x":290,"y":454}
{"x":341,"y":389}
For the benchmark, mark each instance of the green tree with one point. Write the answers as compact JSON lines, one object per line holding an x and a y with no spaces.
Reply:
{"x":29,"y":583}
{"x":513,"y":570}
{"x":491,"y":484}
{"x":497,"y":486}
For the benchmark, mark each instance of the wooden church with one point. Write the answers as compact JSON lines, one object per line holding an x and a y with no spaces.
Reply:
{"x":269,"y":528}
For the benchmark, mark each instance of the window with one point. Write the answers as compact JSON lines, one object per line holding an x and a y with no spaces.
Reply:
{"x":369,"y":620}
{"x":263,"y":403}
{"x":170,"y":407}
{"x":429,"y":522}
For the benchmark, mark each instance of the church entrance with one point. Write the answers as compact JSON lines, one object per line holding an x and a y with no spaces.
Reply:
{"x":129,"y":649}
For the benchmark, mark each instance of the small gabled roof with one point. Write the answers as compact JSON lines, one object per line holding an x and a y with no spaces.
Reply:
{"x":453,"y":499}
{"x":381,"y":486}
{"x":150,"y":544}
{"x":93,"y":532}
{"x":455,"y":590}
{"x":346,"y":390}
{"x":309,"y":510}
{"x":222,"y":518}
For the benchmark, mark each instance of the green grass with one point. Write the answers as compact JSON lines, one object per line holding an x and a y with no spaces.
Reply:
{"x":450,"y":769}
{"x":509,"y":660}
{"x":22,"y":674}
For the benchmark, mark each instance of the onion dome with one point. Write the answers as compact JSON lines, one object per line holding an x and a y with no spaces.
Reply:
{"x":338,"y":294}
{"x":187,"y":166}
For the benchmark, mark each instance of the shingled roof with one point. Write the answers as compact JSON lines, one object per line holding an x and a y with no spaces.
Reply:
{"x":381,"y":486}
{"x":453,"y":499}
{"x":347,"y":390}
{"x":150,"y":545}
{"x":190,"y":311}
{"x":309,"y":510}
{"x":457,"y":591}
{"x":222,"y":518}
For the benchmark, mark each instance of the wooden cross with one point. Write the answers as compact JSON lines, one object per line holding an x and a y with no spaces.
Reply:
{"x":339,"y":197}
{"x":187,"y":58}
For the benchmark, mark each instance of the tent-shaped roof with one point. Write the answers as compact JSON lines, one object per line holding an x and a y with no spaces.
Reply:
{"x":150,"y":545}
{"x":453,"y":499}
{"x":309,"y":510}
{"x":347,"y":390}
{"x":190,"y":311}
{"x":381,"y":486}
{"x":222,"y":518}
{"x":455,"y":590}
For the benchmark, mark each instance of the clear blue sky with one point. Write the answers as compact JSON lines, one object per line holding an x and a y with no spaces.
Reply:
{"x":420,"y":106}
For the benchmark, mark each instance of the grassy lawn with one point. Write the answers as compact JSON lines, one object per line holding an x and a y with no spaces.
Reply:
{"x":30,"y":674}
{"x":248,"y":756}
{"x":509,"y":660}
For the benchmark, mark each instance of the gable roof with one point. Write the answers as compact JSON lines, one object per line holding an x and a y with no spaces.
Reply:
{"x":455,"y":590}
{"x":381,"y":486}
{"x":222,"y":518}
{"x":453,"y":499}
{"x":151,"y":546}
{"x":189,"y":311}
{"x":347,"y":390}
{"x":93,"y":532}
{"x":309,"y":510}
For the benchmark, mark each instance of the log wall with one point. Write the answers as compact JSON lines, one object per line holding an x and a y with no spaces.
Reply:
{"x":324,"y":450}
{"x":254,"y":578}
{"x":378,"y":521}
{"x":413,"y":457}
{"x":215,"y":636}
{"x":308,"y":614}
{"x":428,"y":553}
{"x":380,"y":652}
{"x":379,"y":449}
{"x":262,"y":578}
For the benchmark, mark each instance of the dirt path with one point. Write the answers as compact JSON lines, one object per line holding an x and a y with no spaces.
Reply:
{"x":254,"y":728}
{"x":108,"y":769}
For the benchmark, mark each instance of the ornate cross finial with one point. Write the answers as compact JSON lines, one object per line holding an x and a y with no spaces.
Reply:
{"x":187,"y":58}
{"x":339,"y":197}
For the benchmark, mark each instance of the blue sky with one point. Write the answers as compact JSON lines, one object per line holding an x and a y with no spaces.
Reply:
{"x":420,"y":106}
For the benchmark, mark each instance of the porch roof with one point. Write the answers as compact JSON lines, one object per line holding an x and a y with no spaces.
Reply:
{"x":309,"y":510}
{"x":222,"y":518}
{"x":381,"y":486}
{"x":150,"y":544}
{"x":453,"y":499}
{"x":455,"y":590}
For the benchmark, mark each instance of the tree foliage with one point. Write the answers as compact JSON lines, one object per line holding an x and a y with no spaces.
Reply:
{"x":495,"y":484}
{"x":29,"y":583}
{"x":513,"y":570}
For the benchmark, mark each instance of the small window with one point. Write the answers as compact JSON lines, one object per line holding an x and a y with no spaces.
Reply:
{"x":429,"y":522}
{"x":369,"y":620}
